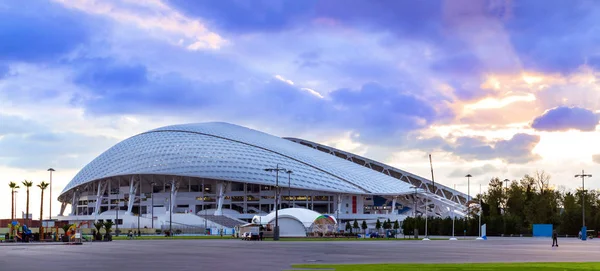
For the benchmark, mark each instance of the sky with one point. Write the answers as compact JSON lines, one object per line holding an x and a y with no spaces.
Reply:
{"x":493,"y":88}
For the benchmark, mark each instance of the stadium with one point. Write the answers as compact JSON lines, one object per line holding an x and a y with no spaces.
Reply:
{"x":220,"y":175}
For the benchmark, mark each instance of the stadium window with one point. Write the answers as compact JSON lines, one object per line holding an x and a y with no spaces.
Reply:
{"x":237,"y":187}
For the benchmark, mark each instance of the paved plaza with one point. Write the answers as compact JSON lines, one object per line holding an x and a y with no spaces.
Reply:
{"x":268,"y":255}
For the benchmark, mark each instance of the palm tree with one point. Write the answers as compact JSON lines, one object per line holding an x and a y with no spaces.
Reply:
{"x":27,"y":184}
{"x":13,"y":186}
{"x":43,"y":185}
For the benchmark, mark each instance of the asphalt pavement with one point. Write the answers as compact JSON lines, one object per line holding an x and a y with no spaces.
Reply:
{"x":196,"y":255}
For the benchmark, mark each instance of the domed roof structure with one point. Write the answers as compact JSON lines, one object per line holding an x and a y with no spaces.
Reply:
{"x":229,"y":152}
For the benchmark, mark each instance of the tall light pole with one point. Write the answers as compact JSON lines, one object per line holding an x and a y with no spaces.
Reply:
{"x":583,"y":176}
{"x":289,"y":172}
{"x":171,"y":208}
{"x":50,"y":197}
{"x":118,"y":208}
{"x":480,"y":210}
{"x":427,"y":200}
{"x":204,"y":209}
{"x":468,"y":199}
{"x":468,"y":187}
{"x":505,"y":204}
{"x":139,"y":204}
{"x":276,"y":230}
{"x":415,"y":209}
{"x":453,"y":219}
{"x":152,"y":208}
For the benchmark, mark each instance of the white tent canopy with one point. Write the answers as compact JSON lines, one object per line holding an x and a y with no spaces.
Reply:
{"x":293,"y":222}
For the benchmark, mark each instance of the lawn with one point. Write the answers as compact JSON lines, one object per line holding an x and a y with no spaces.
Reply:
{"x":180,"y":237}
{"x":456,"y":267}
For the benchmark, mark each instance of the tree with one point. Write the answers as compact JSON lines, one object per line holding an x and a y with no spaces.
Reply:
{"x":355,"y":224}
{"x":13,"y":186}
{"x":378,"y":225}
{"x":27,"y":184}
{"x":396,"y":225}
{"x":364,"y":226}
{"x":107,"y":226}
{"x":387,"y":224}
{"x":98,"y":225}
{"x":348,"y":227}
{"x":43,"y":185}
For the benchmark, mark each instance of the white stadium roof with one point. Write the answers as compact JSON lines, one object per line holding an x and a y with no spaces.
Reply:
{"x":229,"y":152}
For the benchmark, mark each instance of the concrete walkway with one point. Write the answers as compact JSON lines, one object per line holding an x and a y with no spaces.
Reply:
{"x":268,"y":255}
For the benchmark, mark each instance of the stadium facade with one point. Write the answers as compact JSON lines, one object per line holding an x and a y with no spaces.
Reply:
{"x":223,"y":174}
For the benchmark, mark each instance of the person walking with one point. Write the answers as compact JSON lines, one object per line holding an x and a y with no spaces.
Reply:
{"x":554,"y":238}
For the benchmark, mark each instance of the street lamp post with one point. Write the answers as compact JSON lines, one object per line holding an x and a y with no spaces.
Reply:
{"x":583,"y":228}
{"x":204,"y":209}
{"x":139,"y":205}
{"x":152,"y":208}
{"x":276,"y":169}
{"x":118,"y":208}
{"x":505,"y":204}
{"x":468,"y":187}
{"x":453,"y":220}
{"x":289,"y":172}
{"x":468,"y":199}
{"x":171,"y":209}
{"x":427,"y":202}
{"x":480,"y":212}
{"x":415,"y":229}
{"x":50,"y":210}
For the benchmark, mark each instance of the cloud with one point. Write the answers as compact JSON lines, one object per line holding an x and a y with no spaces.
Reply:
{"x":16,"y":125}
{"x":110,"y":87}
{"x":154,"y":16}
{"x":27,"y":36}
{"x":516,"y":150}
{"x":484,"y":170}
{"x":28,"y":144}
{"x":280,"y":78}
{"x":243,"y":17}
{"x":104,"y":74}
{"x":4,"y":70}
{"x":567,"y":118}
{"x":564,"y":48}
{"x":596,"y":158}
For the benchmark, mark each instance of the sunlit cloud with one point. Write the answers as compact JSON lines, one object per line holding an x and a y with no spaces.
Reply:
{"x":287,"y":81}
{"x":153,"y":15}
{"x":489,"y":103}
{"x":313,"y":92}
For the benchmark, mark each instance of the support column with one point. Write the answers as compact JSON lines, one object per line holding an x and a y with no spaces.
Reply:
{"x":109,"y":194}
{"x":339,"y":204}
{"x":63,"y":207}
{"x":173,"y":195}
{"x":132,"y":193}
{"x":74,"y":201}
{"x":394,"y":204}
{"x":99,"y":195}
{"x":221,"y":188}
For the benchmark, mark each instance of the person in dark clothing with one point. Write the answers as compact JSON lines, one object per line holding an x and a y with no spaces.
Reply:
{"x":554,"y":238}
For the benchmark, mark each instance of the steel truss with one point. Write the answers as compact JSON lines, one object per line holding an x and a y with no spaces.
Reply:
{"x":445,"y":200}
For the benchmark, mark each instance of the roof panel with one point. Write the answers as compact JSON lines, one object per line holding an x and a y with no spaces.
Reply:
{"x":242,"y":153}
